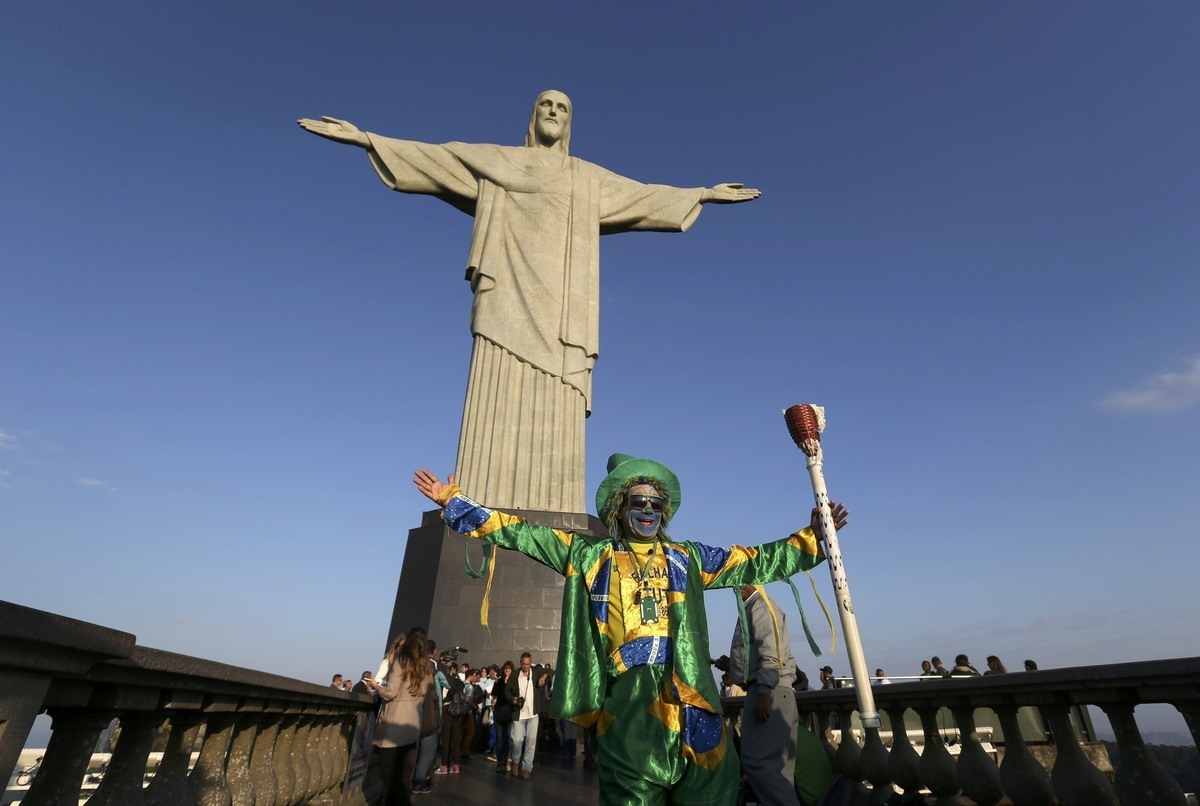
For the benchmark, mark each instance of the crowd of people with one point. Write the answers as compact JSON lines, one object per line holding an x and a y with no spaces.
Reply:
{"x":929,"y":668}
{"x":499,"y":712}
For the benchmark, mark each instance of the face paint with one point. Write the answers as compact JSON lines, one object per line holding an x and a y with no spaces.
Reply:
{"x":641,"y":524}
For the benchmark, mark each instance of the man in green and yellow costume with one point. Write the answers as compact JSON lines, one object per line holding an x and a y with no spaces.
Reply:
{"x":633,"y":660}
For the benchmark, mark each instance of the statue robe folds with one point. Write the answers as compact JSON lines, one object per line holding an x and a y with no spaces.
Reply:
{"x":534,"y":267}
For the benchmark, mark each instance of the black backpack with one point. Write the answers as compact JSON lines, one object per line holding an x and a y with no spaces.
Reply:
{"x":456,"y":703}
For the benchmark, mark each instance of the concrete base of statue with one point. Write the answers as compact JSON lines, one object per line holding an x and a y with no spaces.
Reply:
{"x":525,"y":602}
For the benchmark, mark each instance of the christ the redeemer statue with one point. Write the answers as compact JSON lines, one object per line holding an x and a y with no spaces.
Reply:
{"x":534,"y":267}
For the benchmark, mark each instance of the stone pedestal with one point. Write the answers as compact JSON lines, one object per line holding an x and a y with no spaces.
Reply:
{"x":524,"y":607}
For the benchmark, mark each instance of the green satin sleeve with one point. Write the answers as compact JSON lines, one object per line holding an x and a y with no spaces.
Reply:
{"x":758,"y":565}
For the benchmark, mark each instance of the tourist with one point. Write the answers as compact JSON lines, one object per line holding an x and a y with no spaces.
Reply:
{"x":762,"y":661}
{"x":398,"y":728}
{"x":963,"y":667}
{"x":521,"y":691}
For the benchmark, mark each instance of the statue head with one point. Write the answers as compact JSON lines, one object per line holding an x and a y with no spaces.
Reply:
{"x":550,"y":122}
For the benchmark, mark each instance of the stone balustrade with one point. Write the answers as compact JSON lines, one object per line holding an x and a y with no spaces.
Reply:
{"x":264,"y":739}
{"x":261,"y":738}
{"x":1031,"y":752}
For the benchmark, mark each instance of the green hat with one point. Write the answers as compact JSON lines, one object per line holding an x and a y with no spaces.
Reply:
{"x":622,"y":468}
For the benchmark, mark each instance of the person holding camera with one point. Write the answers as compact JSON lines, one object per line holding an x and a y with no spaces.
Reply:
{"x":521,"y":691}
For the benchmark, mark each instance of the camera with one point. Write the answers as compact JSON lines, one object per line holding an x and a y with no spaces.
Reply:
{"x":519,"y":702}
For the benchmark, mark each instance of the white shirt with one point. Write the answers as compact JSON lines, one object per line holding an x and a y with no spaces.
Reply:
{"x":526,"y":687}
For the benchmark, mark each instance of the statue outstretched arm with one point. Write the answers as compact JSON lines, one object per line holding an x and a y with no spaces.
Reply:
{"x":729,"y":193}
{"x":340,"y":131}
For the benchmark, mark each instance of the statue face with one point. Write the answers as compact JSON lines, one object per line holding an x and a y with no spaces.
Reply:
{"x":642,"y":513}
{"x":552,"y":116}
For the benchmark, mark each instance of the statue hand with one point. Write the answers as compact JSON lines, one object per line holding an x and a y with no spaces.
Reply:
{"x":340,"y":131}
{"x":430,"y":485}
{"x":730,"y":193}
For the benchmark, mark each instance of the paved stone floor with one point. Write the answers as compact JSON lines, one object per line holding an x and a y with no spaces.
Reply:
{"x":552,"y":782}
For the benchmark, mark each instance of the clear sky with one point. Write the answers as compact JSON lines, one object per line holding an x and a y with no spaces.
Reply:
{"x":227,"y":345}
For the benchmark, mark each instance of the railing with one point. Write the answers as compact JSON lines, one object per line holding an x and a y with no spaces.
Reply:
{"x":262,"y":738}
{"x":1034,"y":755}
{"x":265,"y":739}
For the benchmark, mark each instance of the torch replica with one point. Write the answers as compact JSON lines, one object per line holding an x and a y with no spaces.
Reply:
{"x":805,"y":423}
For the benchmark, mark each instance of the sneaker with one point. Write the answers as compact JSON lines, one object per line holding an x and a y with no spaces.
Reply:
{"x":525,"y":774}
{"x":421,"y":788}
{"x":441,"y":770}
{"x":491,"y":757}
{"x":454,"y":770}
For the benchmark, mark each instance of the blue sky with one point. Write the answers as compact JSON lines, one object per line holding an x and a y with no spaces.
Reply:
{"x":228,"y":345}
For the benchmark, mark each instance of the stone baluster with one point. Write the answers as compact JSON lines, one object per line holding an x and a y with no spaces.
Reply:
{"x":208,"y":776}
{"x":325,"y":751}
{"x":977,"y":773}
{"x":67,"y":755}
{"x":312,"y":754}
{"x":1140,"y":779}
{"x":874,"y":763}
{"x":346,"y":739}
{"x":937,"y":765}
{"x":237,"y":768}
{"x":904,"y":763}
{"x":1076,"y":780}
{"x":262,"y":763}
{"x":318,"y":762}
{"x":126,"y":774}
{"x":1025,"y":780}
{"x":299,"y":760}
{"x":170,"y":784}
{"x":285,"y":772}
{"x":336,"y":748}
{"x":848,"y":760}
{"x":329,"y":761}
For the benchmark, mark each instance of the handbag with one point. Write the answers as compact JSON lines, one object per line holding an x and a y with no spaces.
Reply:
{"x":431,"y":717}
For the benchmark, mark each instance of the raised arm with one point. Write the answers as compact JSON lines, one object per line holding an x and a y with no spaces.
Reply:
{"x":758,"y":565}
{"x":729,"y":193}
{"x":470,"y":519}
{"x":340,"y":131}
{"x":431,"y":486}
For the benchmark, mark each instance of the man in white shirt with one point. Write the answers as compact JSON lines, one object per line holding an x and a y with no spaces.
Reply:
{"x":522,"y":692}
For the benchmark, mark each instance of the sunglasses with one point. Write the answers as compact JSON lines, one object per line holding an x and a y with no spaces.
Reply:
{"x":639,"y":502}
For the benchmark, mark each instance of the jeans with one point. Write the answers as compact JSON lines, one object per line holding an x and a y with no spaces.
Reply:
{"x":503,"y":743}
{"x":524,"y":741}
{"x":426,"y":753}
{"x":566,"y":729}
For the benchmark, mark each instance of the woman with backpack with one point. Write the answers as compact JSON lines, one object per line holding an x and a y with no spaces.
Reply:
{"x":454,"y":706}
